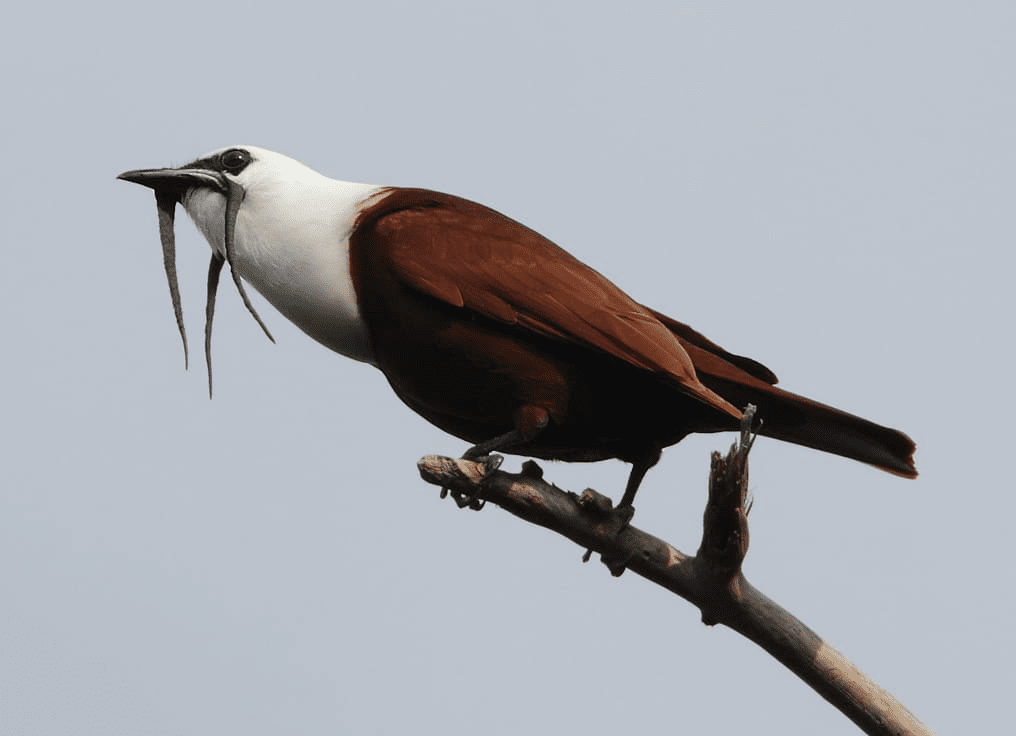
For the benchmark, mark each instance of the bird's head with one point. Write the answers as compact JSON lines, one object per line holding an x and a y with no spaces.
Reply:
{"x":213,"y":187}
{"x":281,"y":225}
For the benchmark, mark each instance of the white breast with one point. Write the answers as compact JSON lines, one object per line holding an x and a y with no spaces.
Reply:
{"x":292,"y":245}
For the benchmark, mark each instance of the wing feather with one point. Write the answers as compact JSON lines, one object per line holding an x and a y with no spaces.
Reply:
{"x":470,"y":256}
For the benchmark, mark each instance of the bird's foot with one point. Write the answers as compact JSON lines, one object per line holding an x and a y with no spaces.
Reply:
{"x":489,"y":464}
{"x":597,"y":503}
{"x":619,"y":518}
{"x":622,"y":516}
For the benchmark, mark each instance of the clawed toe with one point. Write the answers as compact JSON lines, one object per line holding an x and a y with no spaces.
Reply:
{"x":618,"y":517}
{"x":489,"y":463}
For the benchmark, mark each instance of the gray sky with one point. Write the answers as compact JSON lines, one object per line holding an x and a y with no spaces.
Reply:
{"x":828,"y":191}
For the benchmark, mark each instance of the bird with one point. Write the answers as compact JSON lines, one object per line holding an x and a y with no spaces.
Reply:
{"x":481,"y":325}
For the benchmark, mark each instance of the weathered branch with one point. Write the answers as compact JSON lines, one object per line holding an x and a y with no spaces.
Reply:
{"x":712,"y":580}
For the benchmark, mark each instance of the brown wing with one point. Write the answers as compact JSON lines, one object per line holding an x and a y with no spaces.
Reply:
{"x":710,"y":357}
{"x":470,"y":256}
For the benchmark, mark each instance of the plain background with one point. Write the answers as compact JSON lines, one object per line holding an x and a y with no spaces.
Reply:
{"x":828,"y":190}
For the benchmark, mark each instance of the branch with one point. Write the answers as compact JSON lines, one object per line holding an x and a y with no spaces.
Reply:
{"x":712,"y":580}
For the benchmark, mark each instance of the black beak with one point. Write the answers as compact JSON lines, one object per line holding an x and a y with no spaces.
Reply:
{"x":175,"y":181}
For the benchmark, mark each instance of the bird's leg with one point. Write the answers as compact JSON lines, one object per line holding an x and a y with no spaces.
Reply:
{"x":625,"y":510}
{"x":641,"y":465}
{"x":639,"y":468}
{"x":529,"y":421}
{"x":482,"y":451}
{"x":501,"y":442}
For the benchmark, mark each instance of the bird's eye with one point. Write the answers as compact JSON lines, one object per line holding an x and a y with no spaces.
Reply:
{"x":234,"y":160}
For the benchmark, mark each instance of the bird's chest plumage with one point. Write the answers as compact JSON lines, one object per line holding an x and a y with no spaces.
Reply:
{"x":295,"y":252}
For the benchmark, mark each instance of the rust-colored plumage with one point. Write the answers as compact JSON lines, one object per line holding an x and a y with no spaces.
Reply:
{"x":485,"y":327}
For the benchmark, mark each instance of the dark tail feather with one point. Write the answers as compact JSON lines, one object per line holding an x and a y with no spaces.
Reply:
{"x":792,"y":418}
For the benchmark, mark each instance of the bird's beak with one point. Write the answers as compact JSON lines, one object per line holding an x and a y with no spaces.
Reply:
{"x":175,"y":181}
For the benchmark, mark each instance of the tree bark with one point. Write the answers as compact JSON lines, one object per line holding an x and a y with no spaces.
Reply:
{"x":711,"y":580}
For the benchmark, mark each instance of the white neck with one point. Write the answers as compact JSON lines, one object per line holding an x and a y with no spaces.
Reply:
{"x":292,"y":245}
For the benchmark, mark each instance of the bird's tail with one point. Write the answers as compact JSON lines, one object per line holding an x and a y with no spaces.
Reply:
{"x":792,"y":418}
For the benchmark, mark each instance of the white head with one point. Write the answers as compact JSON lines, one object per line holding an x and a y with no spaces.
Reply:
{"x":258,"y":176}
{"x":281,"y":226}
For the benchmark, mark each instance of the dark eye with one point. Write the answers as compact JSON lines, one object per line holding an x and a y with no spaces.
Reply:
{"x":234,"y":160}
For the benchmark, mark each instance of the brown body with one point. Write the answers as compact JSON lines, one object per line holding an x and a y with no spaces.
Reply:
{"x":483,"y":326}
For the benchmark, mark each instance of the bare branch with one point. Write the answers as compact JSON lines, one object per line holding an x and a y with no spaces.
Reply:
{"x":712,"y":580}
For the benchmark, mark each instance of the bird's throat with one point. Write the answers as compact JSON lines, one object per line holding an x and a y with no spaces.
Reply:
{"x":301,"y":268}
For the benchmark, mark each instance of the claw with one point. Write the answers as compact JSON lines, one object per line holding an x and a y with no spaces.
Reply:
{"x":489,"y":463}
{"x":596,"y":503}
{"x":465,"y":500}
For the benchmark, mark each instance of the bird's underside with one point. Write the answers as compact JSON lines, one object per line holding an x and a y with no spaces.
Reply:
{"x":481,"y":379}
